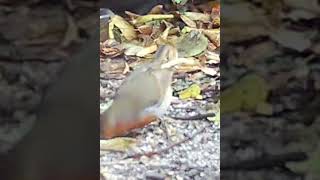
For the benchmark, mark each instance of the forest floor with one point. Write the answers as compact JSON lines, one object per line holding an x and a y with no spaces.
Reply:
{"x":181,"y":149}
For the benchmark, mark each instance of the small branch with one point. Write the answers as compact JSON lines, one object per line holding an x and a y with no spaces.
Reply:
{"x":195,"y":117}
{"x":149,"y":154}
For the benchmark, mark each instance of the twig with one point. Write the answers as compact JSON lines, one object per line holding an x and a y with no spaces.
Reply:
{"x":195,"y":117}
{"x":149,"y":154}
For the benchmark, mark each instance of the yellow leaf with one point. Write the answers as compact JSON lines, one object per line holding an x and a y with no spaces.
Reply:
{"x":213,"y":35}
{"x":127,"y":30}
{"x":152,"y":17}
{"x":246,"y":94}
{"x":117,"y":144}
{"x":194,"y":91}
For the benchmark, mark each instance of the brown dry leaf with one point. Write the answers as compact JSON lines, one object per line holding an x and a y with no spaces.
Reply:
{"x":212,"y":47}
{"x":147,"y":50}
{"x":145,"y":29}
{"x":174,"y":31}
{"x":127,"y":30}
{"x":151,"y":17}
{"x":212,"y":57}
{"x":188,"y":21}
{"x":140,"y":51}
{"x":196,"y":16}
{"x":213,"y":35}
{"x":132,"y":15}
{"x":156,"y":9}
{"x":189,"y":64}
{"x":165,"y":33}
{"x":181,"y":61}
{"x":111,"y":52}
{"x":188,"y":68}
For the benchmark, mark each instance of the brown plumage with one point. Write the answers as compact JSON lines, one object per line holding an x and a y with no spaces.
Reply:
{"x":142,"y":97}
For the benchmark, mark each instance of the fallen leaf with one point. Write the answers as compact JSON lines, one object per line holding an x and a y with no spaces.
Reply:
{"x":127,"y":30}
{"x":209,"y":71}
{"x":194,"y":91}
{"x":145,"y":29}
{"x":181,"y":61}
{"x":156,"y":9}
{"x":132,"y":15}
{"x":212,"y":57}
{"x":245,"y":94}
{"x":117,"y":144}
{"x":213,"y":35}
{"x":147,"y":50}
{"x":111,"y":52}
{"x":151,"y":17}
{"x":191,"y":44}
{"x":196,"y":16}
{"x":165,"y":33}
{"x":188,"y":21}
{"x":136,"y":50}
{"x":174,"y":31}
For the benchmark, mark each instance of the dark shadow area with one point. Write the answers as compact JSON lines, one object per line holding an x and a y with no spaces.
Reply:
{"x":269,"y":90}
{"x":50,"y":90}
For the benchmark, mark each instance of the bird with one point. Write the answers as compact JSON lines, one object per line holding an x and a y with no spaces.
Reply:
{"x":144,"y":96}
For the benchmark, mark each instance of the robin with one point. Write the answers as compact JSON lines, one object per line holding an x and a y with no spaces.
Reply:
{"x":144,"y":96}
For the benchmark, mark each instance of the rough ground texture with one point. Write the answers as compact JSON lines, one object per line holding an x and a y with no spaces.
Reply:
{"x":197,"y":158}
{"x":36,"y":39}
{"x":283,"y":143}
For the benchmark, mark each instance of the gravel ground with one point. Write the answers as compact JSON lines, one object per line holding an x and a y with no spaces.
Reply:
{"x":198,"y":158}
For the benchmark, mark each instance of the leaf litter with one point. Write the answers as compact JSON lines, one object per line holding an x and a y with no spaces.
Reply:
{"x":194,"y":30}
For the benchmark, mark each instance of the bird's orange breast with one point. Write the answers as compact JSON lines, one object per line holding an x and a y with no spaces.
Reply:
{"x":124,"y":127}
